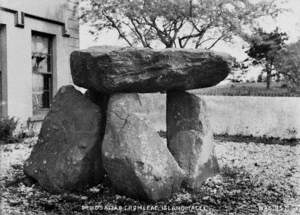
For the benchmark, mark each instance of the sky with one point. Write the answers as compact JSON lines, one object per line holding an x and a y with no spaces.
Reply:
{"x":288,"y":22}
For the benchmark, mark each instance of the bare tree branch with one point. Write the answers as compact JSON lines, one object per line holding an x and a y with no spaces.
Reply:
{"x":199,"y":42}
{"x":139,"y":34}
{"x":216,"y":41}
{"x":121,"y":34}
{"x":198,"y":35}
{"x":159,"y":32}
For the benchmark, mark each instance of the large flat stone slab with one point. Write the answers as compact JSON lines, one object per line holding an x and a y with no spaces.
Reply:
{"x":67,"y":156}
{"x":142,"y":70}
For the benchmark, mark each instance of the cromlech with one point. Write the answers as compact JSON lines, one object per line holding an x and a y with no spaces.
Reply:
{"x":103,"y":133}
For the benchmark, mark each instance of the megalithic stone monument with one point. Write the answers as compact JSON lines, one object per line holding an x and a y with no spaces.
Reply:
{"x":103,"y":132}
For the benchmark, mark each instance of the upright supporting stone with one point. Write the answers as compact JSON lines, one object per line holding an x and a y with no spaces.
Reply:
{"x":67,"y":154}
{"x":190,"y":138}
{"x":135,"y":158}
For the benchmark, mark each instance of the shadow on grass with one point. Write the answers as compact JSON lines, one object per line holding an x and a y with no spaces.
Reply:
{"x":264,"y":139}
{"x":233,"y":191}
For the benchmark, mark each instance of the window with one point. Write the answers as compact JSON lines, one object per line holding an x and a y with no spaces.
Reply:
{"x":41,"y":72}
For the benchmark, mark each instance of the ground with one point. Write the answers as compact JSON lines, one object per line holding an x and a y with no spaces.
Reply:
{"x":255,"y":178}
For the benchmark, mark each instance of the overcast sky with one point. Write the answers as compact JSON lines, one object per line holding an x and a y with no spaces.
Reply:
{"x":288,"y":22}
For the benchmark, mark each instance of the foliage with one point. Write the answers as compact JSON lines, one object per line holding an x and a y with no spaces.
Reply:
{"x":176,"y":23}
{"x":259,"y":78}
{"x":288,"y":64}
{"x":7,"y":127}
{"x":265,"y":47}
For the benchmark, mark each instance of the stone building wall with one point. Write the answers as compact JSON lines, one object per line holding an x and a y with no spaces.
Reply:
{"x":19,"y":20}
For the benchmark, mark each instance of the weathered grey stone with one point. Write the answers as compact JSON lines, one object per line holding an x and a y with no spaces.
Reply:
{"x":190,"y":137}
{"x":135,"y":158}
{"x":114,"y":69}
{"x":67,"y":155}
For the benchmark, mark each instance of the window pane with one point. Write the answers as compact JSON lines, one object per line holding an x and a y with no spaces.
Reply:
{"x":46,"y":99}
{"x":37,"y":102}
{"x":40,"y":44}
{"x":47,"y":91}
{"x":40,"y":63}
{"x":37,"y":83}
{"x":41,"y":89}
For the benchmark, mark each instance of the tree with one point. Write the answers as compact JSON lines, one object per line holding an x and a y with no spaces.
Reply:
{"x":287,"y":64}
{"x":265,"y":48}
{"x":175,"y":23}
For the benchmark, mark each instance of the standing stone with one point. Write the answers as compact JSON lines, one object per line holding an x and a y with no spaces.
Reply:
{"x":142,"y":70}
{"x":135,"y":158}
{"x":190,"y":138}
{"x":67,"y":155}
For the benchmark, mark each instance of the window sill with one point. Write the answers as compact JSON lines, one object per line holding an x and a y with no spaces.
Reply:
{"x":38,"y":117}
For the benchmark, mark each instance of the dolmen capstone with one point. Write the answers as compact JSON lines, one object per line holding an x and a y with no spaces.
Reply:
{"x":105,"y":131}
{"x":139,"y":70}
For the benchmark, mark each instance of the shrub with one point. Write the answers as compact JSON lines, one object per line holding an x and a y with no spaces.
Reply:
{"x":7,"y":128}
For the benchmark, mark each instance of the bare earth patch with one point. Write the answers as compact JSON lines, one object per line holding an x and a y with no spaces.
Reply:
{"x":255,"y":178}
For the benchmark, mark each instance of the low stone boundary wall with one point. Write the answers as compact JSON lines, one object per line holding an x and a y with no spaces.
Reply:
{"x":277,"y":117}
{"x":257,"y":116}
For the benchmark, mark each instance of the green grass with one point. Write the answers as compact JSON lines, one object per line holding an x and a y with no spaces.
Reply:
{"x":249,"y":89}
